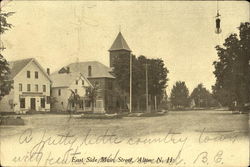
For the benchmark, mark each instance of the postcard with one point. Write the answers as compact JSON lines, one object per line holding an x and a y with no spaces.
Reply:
{"x":124,"y":83}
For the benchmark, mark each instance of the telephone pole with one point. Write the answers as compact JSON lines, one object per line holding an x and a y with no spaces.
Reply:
{"x":130,"y":83}
{"x":146,"y":86}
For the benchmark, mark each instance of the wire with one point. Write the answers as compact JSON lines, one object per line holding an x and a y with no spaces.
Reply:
{"x":217,"y":6}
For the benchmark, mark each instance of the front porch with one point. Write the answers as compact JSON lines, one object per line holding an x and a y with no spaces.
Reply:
{"x":31,"y":102}
{"x":83,"y":105}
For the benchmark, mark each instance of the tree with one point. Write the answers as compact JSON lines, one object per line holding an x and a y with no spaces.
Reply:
{"x":157,"y":77}
{"x":164,"y":102}
{"x":202,"y":97}
{"x":157,"y":82}
{"x":74,"y":100}
{"x":179,"y":95}
{"x":232,"y":70}
{"x":121,"y":71}
{"x":92,"y":93}
{"x":5,"y":83}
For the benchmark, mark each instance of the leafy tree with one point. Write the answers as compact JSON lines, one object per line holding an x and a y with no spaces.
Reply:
{"x":5,"y":83}
{"x":232,"y":70}
{"x":92,"y":93}
{"x":202,"y":97}
{"x":122,"y":73}
{"x":157,"y":77}
{"x":179,"y":95}
{"x":4,"y":25}
{"x":74,"y":99}
{"x":164,"y":102}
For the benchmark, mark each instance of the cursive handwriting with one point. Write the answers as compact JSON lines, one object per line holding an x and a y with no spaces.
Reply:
{"x":106,"y":138}
{"x":26,"y":136}
{"x":204,"y":137}
{"x":73,"y":154}
{"x":170,"y":137}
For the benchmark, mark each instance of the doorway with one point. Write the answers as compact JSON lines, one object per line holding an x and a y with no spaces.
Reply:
{"x":33,"y":103}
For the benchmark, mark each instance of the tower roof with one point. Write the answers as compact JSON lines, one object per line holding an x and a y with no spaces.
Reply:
{"x":119,"y":43}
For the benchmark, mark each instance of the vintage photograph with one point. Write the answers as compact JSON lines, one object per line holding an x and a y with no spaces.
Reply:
{"x":124,"y":83}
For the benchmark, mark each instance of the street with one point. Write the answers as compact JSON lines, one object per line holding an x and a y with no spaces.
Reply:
{"x":179,"y":122}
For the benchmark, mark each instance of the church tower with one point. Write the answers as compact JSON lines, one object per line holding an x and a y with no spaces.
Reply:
{"x":118,"y":48}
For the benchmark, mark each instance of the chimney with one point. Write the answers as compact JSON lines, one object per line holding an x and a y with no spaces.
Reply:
{"x":89,"y":71}
{"x":68,"y":70}
{"x":48,"y":71}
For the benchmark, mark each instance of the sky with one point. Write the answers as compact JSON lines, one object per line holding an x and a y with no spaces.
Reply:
{"x":182,"y":33}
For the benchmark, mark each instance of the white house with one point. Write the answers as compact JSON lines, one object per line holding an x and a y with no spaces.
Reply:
{"x":31,"y":88}
{"x":63,"y":84}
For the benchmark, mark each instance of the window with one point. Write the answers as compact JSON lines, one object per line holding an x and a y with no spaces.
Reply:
{"x":99,"y":104}
{"x":82,"y":82}
{"x":81,"y":104}
{"x":36,"y":74}
{"x":43,"y":102}
{"x":109,"y":100}
{"x":36,"y":88}
{"x":76,"y":91}
{"x":76,"y":82}
{"x":110,"y":85}
{"x":28,"y":74}
{"x":59,"y":92}
{"x":20,"y":87}
{"x":22,"y":102}
{"x":44,"y":88}
{"x":28,"y":87}
{"x":97,"y":84}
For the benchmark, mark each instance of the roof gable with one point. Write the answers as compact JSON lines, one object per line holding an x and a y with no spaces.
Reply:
{"x":119,"y":43}
{"x":98,"y":70}
{"x":17,"y":66}
{"x":66,"y":79}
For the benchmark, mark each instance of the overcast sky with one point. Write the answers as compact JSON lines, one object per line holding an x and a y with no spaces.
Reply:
{"x":181,"y":33}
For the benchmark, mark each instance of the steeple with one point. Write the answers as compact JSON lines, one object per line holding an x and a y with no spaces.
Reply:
{"x":119,"y":48}
{"x":119,"y":44}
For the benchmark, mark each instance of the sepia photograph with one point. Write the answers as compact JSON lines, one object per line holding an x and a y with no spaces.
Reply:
{"x":124,"y":83}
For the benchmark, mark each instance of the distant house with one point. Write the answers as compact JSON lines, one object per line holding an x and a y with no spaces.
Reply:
{"x":63,"y":86}
{"x":31,"y":88}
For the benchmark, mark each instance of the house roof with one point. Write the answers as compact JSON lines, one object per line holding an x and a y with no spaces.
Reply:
{"x":65,"y":79}
{"x":98,"y":70}
{"x":17,"y":65}
{"x":119,"y":43}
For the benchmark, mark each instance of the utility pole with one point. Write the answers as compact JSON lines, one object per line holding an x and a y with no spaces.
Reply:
{"x":80,"y":20}
{"x":155,"y":103}
{"x":130,"y":83}
{"x":146,"y":86}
